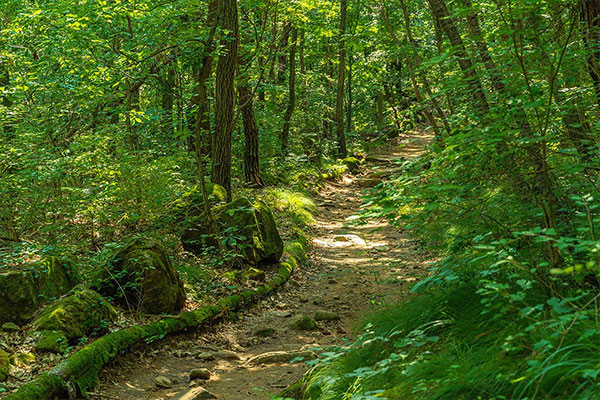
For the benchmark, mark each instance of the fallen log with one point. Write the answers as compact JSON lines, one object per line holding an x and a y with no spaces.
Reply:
{"x":79,"y":372}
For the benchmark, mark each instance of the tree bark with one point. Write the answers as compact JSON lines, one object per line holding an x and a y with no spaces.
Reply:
{"x":251,"y":154}
{"x":225,"y":95}
{"x":339,"y":109}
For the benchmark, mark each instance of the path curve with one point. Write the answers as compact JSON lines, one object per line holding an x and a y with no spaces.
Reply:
{"x":351,"y":270}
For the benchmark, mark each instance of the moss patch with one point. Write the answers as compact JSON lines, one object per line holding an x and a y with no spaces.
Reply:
{"x":141,"y":276}
{"x":51,"y":341}
{"x":4,"y":365}
{"x":22,"y":292}
{"x":81,"y":313}
{"x":252,"y":225}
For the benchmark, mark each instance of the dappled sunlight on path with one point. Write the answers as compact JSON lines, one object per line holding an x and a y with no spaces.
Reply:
{"x":355,"y":267}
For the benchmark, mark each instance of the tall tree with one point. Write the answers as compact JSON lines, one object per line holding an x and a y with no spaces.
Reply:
{"x":225,"y":95}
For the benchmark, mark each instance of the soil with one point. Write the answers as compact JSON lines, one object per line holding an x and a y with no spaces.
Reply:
{"x":353,"y":270}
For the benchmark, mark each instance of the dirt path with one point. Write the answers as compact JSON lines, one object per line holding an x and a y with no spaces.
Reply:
{"x":352,"y":269}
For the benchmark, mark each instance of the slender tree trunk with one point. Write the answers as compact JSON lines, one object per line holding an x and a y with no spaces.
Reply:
{"x":350,"y":100}
{"x":416,"y":59}
{"x":283,"y":44}
{"x":167,"y":101}
{"x":251,"y":154}
{"x":440,"y":11}
{"x":301,"y":51}
{"x":285,"y":133}
{"x":200,"y":125}
{"x":225,"y":95}
{"x":4,"y":99}
{"x":380,"y":117}
{"x":590,"y":24}
{"x":339,"y":110}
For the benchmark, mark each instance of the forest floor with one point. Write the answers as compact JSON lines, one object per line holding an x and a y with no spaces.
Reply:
{"x":353,"y":270}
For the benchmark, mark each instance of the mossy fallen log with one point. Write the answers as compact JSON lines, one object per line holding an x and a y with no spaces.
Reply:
{"x":79,"y":372}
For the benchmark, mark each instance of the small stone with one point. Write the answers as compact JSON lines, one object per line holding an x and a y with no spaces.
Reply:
{"x":163,"y":382}
{"x":195,"y":393}
{"x":381,"y":248}
{"x":199,"y":373}
{"x":10,"y":327}
{"x":266,"y":331}
{"x":331,"y":281}
{"x":52,"y":342}
{"x":301,"y":322}
{"x":322,"y":315}
{"x":206,"y":356}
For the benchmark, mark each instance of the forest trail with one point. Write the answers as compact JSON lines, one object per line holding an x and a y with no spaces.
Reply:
{"x":352,"y":270}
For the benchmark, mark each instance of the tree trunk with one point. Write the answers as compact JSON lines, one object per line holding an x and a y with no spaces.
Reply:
{"x":339,"y":109}
{"x":440,"y":11}
{"x":4,"y":99}
{"x":225,"y":95}
{"x":200,"y":125}
{"x":285,"y":133}
{"x":283,"y":44}
{"x":590,"y":23}
{"x":251,"y":154}
{"x":380,"y":120}
{"x":301,"y":51}
{"x":167,"y":101}
{"x":350,"y":100}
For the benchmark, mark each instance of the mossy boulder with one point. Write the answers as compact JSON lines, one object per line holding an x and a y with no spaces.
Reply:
{"x":82,"y":312}
{"x":51,"y":342}
{"x":352,"y":163}
{"x":301,"y":322}
{"x":140,"y":276}
{"x":252,"y":226}
{"x":23,"y":291}
{"x":4,"y":365}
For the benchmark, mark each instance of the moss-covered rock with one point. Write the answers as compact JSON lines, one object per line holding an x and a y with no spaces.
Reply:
{"x":82,"y":312}
{"x":253,"y":226}
{"x":22,"y":358}
{"x":352,"y":163}
{"x":51,"y":341}
{"x":23,"y":291}
{"x":301,"y":322}
{"x":10,"y":327}
{"x":140,"y":276}
{"x":4,"y":365}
